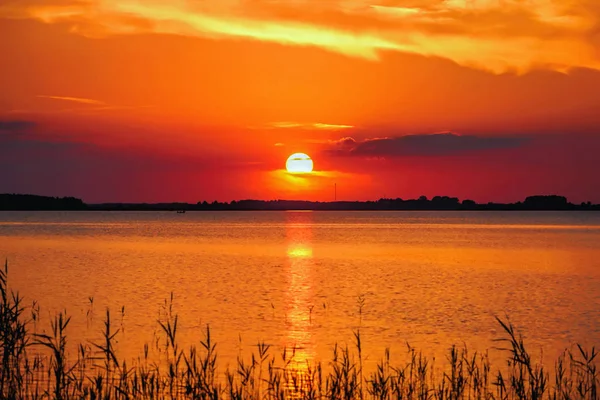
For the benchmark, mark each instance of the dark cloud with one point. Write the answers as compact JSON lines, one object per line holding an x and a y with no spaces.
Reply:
{"x":347,"y":141}
{"x":438,"y":144}
{"x":17,"y":138}
{"x":15,"y":125}
{"x":56,"y":165}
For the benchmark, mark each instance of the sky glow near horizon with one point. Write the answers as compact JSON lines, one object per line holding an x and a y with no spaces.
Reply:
{"x":184,"y":101}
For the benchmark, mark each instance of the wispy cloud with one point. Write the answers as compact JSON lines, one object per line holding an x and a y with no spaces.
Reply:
{"x":332,"y":126}
{"x":488,"y":34}
{"x":13,"y":125}
{"x":86,"y":106}
{"x":316,"y":125}
{"x":74,"y":100}
{"x":311,"y":176}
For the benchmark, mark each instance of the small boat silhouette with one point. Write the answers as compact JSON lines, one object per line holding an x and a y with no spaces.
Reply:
{"x":180,"y":211}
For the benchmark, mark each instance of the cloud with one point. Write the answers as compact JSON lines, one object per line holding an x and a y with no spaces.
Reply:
{"x":438,"y":144}
{"x":16,"y":125}
{"x":21,"y":142}
{"x":347,"y":141}
{"x":495,"y":35}
{"x":311,"y":178}
{"x":74,"y":99}
{"x":316,"y":125}
{"x":82,"y":106}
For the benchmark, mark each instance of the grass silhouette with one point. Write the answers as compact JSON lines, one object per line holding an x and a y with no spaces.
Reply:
{"x":36,"y":366}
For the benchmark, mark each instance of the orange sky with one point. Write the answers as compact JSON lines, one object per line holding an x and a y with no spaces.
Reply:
{"x":162,"y":100}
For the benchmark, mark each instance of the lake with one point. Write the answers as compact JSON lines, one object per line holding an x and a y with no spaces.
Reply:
{"x":310,"y":279}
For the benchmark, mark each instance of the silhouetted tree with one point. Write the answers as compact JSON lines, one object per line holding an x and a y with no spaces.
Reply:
{"x":552,"y":202}
{"x":33,"y":202}
{"x":468,"y":204}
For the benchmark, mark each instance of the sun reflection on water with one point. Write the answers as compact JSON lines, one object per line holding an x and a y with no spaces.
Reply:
{"x":300,"y":289}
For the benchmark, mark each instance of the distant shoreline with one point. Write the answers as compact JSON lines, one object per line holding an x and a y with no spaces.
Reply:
{"x":20,"y":202}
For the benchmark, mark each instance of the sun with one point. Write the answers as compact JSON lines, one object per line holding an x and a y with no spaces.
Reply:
{"x":299,"y":163}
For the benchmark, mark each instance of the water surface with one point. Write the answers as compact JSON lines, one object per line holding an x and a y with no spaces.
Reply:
{"x":431,"y":279}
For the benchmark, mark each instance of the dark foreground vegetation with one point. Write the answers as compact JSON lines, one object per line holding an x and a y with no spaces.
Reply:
{"x":552,"y":202}
{"x":36,"y":366}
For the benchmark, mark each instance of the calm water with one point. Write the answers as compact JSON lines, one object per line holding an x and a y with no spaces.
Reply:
{"x":294,"y":278}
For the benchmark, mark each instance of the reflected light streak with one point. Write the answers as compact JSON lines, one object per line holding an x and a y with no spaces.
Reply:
{"x":298,"y":251}
{"x":299,"y":293}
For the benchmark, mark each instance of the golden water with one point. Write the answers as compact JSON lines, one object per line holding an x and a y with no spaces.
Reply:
{"x":431,"y":279}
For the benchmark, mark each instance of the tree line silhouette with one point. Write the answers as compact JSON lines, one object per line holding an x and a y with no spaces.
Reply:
{"x":539,"y":202}
{"x":42,"y":203}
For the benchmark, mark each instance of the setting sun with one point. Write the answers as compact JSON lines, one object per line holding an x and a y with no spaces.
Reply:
{"x":299,"y":163}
